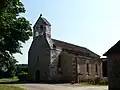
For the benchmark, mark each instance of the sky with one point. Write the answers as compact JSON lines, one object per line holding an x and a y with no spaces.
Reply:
{"x":94,"y":24}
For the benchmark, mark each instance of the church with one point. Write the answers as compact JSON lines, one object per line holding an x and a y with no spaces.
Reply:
{"x":59,"y":61}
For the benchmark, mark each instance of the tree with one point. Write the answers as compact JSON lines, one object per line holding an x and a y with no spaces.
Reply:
{"x":14,"y":30}
{"x":4,"y":4}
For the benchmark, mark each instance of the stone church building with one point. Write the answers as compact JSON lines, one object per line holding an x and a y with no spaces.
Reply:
{"x":55,"y":60}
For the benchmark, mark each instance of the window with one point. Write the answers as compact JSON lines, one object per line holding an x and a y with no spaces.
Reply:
{"x":96,"y":68}
{"x":38,"y":59}
{"x":78,"y":68}
{"x":54,"y":47}
{"x":59,"y":61}
{"x":87,"y":68}
{"x":59,"y":65}
{"x":36,"y":33}
{"x":41,"y":26}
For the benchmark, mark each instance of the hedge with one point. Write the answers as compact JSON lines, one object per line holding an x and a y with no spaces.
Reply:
{"x":23,"y":76}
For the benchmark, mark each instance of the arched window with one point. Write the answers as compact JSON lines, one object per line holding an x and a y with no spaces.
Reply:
{"x":59,"y":65}
{"x":59,"y":61}
{"x":96,"y":68}
{"x":87,"y":68}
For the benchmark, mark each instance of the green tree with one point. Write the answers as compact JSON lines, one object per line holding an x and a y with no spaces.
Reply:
{"x":14,"y":30}
{"x":4,"y":4}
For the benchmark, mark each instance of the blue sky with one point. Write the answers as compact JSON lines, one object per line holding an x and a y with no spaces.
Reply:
{"x":94,"y":24}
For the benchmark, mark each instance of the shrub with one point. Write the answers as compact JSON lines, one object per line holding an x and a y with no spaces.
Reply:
{"x":97,"y":80}
{"x":23,"y":76}
{"x":8,"y":74}
{"x":104,"y":82}
{"x":21,"y":68}
{"x":72,"y":82}
{"x":90,"y":81}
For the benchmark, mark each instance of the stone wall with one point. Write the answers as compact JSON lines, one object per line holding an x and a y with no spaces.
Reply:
{"x":55,"y":52}
{"x":66,"y":66}
{"x":39,"y":59}
{"x":70,"y":67}
{"x":82,"y":63}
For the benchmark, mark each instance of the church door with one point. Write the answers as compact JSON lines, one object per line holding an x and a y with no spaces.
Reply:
{"x":37,"y":76}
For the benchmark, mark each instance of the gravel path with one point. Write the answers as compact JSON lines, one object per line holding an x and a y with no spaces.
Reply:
{"x":60,"y":87}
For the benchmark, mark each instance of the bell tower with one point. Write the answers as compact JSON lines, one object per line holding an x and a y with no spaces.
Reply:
{"x":42,"y":27}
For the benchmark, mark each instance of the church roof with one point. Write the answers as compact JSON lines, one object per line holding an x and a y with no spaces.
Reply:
{"x":114,"y":49}
{"x":45,"y":21}
{"x":74,"y":48}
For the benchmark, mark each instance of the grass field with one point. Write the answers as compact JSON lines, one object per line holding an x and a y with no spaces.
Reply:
{"x":7,"y":87}
{"x":3,"y":80}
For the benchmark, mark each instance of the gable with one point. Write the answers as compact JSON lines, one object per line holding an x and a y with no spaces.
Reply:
{"x":36,"y":41}
{"x":114,"y":49}
{"x":41,"y":21}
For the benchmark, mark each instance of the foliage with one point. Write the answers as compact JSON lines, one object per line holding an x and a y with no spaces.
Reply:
{"x":72,"y":82}
{"x":23,"y":76}
{"x":104,"y":82}
{"x":97,"y":81}
{"x":14,"y":30}
{"x":11,"y":69}
{"x":4,"y":4}
{"x":7,"y":67}
{"x":21,"y":68}
{"x":90,"y":81}
{"x":8,"y":87}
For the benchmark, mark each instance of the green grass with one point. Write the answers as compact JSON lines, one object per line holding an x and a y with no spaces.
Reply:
{"x":15,"y":79}
{"x":7,"y":87}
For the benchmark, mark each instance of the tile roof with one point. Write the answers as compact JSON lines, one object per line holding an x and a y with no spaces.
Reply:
{"x":46,"y":22}
{"x":74,"y":48}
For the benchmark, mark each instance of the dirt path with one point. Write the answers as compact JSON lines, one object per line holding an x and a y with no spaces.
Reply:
{"x":60,"y":87}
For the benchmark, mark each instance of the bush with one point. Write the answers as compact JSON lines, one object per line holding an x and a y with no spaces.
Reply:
{"x":97,"y":80}
{"x":23,"y":76}
{"x":104,"y":82}
{"x":72,"y":82}
{"x":21,"y":68}
{"x":8,"y":74}
{"x":90,"y":81}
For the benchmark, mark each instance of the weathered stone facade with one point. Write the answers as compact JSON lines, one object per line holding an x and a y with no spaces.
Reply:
{"x":54,"y":60}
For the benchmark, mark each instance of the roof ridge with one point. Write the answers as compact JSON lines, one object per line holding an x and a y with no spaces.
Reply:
{"x":69,"y":43}
{"x":72,"y":46}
